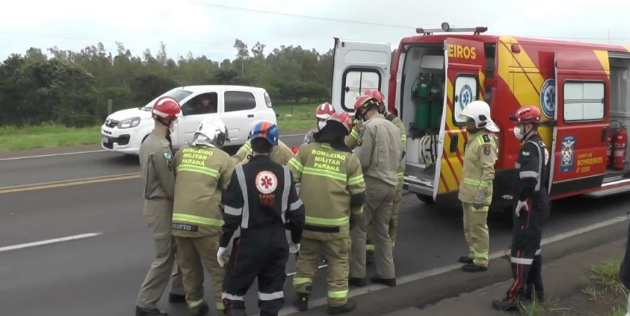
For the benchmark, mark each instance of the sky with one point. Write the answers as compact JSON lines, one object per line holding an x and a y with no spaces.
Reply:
{"x":210,"y":27}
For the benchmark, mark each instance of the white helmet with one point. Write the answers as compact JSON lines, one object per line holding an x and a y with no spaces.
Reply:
{"x":211,"y":133}
{"x":479,"y":111}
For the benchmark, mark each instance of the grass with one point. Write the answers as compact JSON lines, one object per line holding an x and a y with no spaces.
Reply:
{"x":606,"y":275}
{"x":46,"y":136}
{"x":536,"y":308}
{"x":291,"y":118}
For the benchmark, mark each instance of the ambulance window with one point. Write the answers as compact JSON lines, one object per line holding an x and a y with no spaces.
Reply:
{"x":355,"y":82}
{"x":583,"y":101}
{"x":466,"y":90}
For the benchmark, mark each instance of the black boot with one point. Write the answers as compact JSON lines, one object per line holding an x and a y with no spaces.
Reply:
{"x":350,"y":306}
{"x":505,"y":304}
{"x":358,"y":282}
{"x":149,"y":312}
{"x":201,"y":310}
{"x":388,"y":282}
{"x":465,"y":260}
{"x":302,"y":302}
{"x":471,"y":267}
{"x":176,"y":298}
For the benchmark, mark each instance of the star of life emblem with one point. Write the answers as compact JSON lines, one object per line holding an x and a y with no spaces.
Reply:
{"x":266,"y":182}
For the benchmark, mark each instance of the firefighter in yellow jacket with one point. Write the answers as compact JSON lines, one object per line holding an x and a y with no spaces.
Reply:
{"x":333,"y":191}
{"x":280,"y":154}
{"x":475,"y":190}
{"x":203,"y":172}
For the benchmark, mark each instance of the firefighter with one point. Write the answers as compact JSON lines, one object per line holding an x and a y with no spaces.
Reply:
{"x":379,"y":151}
{"x":158,"y":177}
{"x":475,"y":190}
{"x":531,"y":211}
{"x":262,"y":201}
{"x":280,"y":153}
{"x":332,"y":192}
{"x":203,"y":171}
{"x":323,"y":112}
{"x":393,"y":222}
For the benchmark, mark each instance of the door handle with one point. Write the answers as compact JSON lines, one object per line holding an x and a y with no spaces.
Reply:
{"x":604,"y":134}
{"x":250,"y":115}
{"x":454,"y":143}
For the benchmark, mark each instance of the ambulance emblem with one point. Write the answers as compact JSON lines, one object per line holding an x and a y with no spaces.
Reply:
{"x":266,"y":182}
{"x":567,"y":154}
{"x":465,"y":96}
{"x":548,"y":98}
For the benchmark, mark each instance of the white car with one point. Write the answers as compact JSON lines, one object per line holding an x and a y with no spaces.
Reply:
{"x":238,"y":106}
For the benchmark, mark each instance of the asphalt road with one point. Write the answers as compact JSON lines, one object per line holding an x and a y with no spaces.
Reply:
{"x":101,"y":275}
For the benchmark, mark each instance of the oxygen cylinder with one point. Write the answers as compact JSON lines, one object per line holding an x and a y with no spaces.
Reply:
{"x":619,"y":154}
{"x":422,"y":103}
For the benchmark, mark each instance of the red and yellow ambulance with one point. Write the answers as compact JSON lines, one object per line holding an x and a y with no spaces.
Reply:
{"x":583,"y":91}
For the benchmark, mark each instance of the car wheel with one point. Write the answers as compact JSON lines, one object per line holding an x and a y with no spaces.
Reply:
{"x":428,"y":200}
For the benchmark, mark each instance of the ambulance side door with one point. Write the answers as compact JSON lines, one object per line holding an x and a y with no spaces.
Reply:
{"x":358,"y":66}
{"x":579,"y":148}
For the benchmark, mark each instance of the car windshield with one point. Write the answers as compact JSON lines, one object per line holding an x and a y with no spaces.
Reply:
{"x":177,"y":94}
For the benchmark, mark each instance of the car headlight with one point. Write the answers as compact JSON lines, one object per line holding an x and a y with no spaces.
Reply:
{"x":129,"y":123}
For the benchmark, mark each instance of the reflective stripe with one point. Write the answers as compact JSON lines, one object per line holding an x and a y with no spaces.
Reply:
{"x":354,"y":134}
{"x":300,"y":281}
{"x":336,"y":222}
{"x":528,"y":174}
{"x":240,"y":176}
{"x":338,"y":294}
{"x":517,"y":165}
{"x":270,"y":296}
{"x":231,"y":297}
{"x":325,"y":173}
{"x":195,"y":303}
{"x":355,"y":180}
{"x":484,"y":184}
{"x":233,"y":211}
{"x":403,"y":137}
{"x":295,"y":205}
{"x":538,"y":252}
{"x":401,"y":175}
{"x":296,"y":164}
{"x":358,"y":212}
{"x":369,"y":247}
{"x":193,"y":219}
{"x":522,"y":261}
{"x":481,"y":210}
{"x":472,"y":181}
{"x":198,"y":169}
{"x":247,"y":148}
{"x":481,"y":255}
{"x":285,"y":192}
{"x":220,"y":306}
{"x":480,"y":139}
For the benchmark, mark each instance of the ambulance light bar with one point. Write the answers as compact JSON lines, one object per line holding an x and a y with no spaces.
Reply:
{"x":447,"y":28}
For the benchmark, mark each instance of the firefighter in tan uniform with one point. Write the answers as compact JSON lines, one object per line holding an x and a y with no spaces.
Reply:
{"x":323,"y":112}
{"x":475,"y":190}
{"x":393,"y":222}
{"x":203,"y":172}
{"x":333,"y":191}
{"x":280,"y":153}
{"x":379,"y":151}
{"x":158,"y":176}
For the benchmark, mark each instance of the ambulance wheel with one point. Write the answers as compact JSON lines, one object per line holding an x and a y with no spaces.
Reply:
{"x":428,"y":200}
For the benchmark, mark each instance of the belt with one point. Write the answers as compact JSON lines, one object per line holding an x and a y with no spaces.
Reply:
{"x":159,"y":198}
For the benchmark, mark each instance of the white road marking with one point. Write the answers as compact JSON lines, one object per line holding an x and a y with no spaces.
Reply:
{"x":49,"y":241}
{"x":54,"y":155}
{"x":441,"y":270}
{"x":320,"y":267}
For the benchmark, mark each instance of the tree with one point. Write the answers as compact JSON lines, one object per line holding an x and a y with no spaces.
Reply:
{"x":242,"y":53}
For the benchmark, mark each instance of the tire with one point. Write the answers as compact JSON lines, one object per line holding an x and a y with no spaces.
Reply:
{"x":428,"y":200}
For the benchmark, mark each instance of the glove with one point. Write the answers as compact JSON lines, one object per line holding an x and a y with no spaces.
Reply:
{"x":480,"y":198}
{"x":519,"y":206}
{"x":220,"y":254}
{"x":293,"y":247}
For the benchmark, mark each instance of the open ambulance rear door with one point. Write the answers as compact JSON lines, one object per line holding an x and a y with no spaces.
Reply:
{"x":465,"y":78}
{"x":358,"y":66}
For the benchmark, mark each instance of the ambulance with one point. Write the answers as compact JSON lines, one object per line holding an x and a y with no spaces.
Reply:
{"x":582,"y":90}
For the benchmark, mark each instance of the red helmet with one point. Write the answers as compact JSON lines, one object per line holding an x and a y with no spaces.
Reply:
{"x":528,"y":114}
{"x":343,"y":118}
{"x":376,"y":95}
{"x":365,"y":101}
{"x":324,"y":111}
{"x":166,"y":109}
